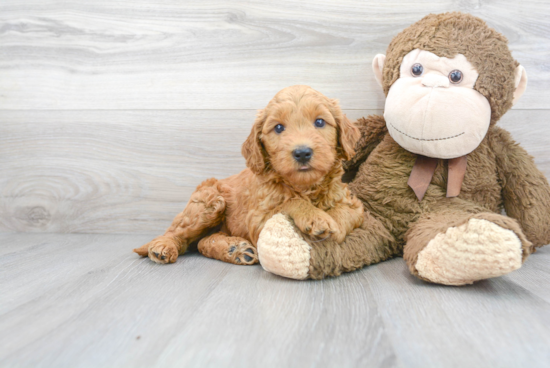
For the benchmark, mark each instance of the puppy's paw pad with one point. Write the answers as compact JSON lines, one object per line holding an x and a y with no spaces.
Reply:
{"x":242,"y":253}
{"x":248,"y":258}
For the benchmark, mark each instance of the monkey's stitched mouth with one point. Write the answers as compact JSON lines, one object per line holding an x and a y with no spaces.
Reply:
{"x":432,"y":139}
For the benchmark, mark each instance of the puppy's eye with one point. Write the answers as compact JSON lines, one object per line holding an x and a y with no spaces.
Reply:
{"x":455,"y":76}
{"x":319,"y":123}
{"x":279,"y":128}
{"x":417,"y":70}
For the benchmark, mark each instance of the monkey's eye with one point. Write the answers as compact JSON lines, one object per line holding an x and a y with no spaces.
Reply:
{"x":417,"y":70}
{"x":279,"y":128}
{"x":319,"y":123}
{"x":455,"y":76}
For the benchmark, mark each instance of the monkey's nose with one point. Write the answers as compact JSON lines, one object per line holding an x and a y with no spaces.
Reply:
{"x":302,"y":154}
{"x":434,"y":80}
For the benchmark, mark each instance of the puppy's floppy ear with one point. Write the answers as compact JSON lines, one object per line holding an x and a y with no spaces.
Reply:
{"x":252,"y":149}
{"x":348,"y":133}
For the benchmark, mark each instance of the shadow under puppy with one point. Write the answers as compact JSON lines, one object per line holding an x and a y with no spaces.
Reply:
{"x":294,"y":156}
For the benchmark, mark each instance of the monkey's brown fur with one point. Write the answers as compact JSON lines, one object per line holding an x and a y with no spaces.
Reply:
{"x":316,"y":198}
{"x":500,"y":174}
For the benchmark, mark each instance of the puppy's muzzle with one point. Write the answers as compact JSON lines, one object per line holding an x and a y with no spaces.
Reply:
{"x":302,"y":154}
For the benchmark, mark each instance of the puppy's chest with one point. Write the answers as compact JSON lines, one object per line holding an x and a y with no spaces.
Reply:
{"x":321,"y":202}
{"x":271,"y":198}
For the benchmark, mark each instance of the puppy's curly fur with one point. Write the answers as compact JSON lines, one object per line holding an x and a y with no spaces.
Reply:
{"x":276,"y":181}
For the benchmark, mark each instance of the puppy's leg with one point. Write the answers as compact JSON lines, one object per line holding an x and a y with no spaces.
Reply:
{"x":204,"y":210}
{"x":348,"y":216}
{"x":310,"y":219}
{"x":230,"y":249}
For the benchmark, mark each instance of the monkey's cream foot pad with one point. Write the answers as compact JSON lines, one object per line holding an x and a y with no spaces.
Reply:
{"x":477,"y":250}
{"x":282,"y":250}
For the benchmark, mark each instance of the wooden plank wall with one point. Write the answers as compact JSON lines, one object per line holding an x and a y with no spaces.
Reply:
{"x":112,"y":112}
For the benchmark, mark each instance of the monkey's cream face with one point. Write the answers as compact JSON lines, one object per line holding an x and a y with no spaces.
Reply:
{"x":433,"y":108}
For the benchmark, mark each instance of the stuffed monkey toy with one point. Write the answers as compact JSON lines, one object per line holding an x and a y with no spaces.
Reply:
{"x":435,"y":172}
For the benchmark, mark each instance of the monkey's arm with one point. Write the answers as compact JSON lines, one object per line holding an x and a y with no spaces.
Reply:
{"x":525,"y":190}
{"x":284,"y":251}
{"x":373,"y":129}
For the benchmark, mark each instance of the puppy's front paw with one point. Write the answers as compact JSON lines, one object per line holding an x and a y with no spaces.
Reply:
{"x":161,"y":250}
{"x":339,"y":236}
{"x":319,"y":224}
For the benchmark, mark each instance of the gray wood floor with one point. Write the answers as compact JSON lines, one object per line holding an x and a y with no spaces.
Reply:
{"x":82,"y":300}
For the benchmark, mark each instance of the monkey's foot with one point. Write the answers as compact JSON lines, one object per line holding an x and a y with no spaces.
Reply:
{"x":282,"y":250}
{"x":476,"y":250}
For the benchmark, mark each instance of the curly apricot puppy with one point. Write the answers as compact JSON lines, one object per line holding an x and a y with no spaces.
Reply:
{"x":294,"y":156}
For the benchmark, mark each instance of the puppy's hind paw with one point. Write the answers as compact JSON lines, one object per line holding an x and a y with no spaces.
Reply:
{"x":243,"y":253}
{"x":230,"y":249}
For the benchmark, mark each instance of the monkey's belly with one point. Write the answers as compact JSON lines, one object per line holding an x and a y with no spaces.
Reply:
{"x":381,"y":183}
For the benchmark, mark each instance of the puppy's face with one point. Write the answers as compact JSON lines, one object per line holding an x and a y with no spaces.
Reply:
{"x":300,"y":138}
{"x":301,"y":135}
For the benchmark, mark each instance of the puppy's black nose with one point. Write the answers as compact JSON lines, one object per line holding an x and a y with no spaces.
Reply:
{"x":302,"y":154}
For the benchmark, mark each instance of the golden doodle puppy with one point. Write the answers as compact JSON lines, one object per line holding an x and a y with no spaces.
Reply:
{"x":294,"y":156}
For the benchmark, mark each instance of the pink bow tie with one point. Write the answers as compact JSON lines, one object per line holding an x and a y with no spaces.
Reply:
{"x":423,"y":171}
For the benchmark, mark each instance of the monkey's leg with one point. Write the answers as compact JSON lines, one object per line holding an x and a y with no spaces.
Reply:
{"x":455,"y":247}
{"x":204,"y":210}
{"x":283,"y":251}
{"x":230,"y":249}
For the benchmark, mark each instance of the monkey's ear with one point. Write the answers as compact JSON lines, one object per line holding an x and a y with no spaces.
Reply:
{"x":252,"y":149}
{"x":378,"y":67}
{"x":520,"y":83}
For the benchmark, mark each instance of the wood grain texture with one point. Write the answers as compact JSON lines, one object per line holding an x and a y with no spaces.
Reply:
{"x":112,"y":112}
{"x":489,"y":324}
{"x":133,"y":171}
{"x":213,"y":54}
{"x":97,"y":171}
{"x":81,"y":300}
